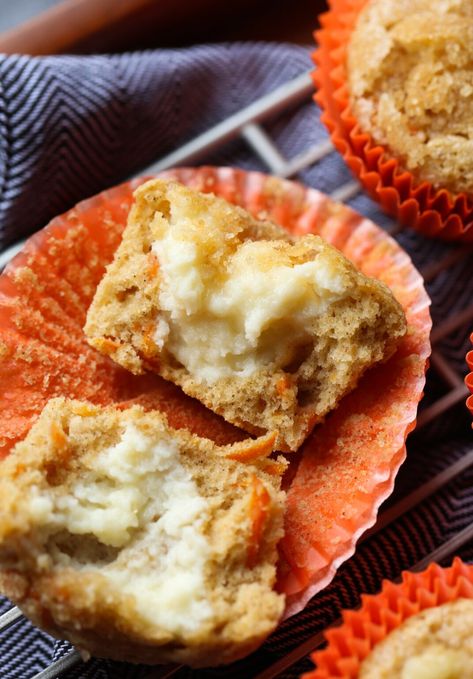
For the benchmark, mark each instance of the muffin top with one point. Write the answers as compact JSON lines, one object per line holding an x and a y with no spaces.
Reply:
{"x":410,"y":74}
{"x":434,"y":644}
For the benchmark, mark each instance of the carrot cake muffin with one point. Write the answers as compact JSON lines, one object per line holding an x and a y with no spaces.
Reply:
{"x":434,"y":644}
{"x":267,"y":330}
{"x":410,"y":75}
{"x":138,"y":542}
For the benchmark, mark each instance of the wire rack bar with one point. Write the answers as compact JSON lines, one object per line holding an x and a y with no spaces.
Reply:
{"x":163,"y":672}
{"x":346,"y":191}
{"x":67,"y":662}
{"x":445,"y":371}
{"x":453,"y":257}
{"x":265,"y":148}
{"x":442,"y":405}
{"x":10,"y":617}
{"x":446,"y":549}
{"x":291,"y":93}
{"x":309,"y":157}
{"x":421,"y":493}
{"x":452,"y":323}
{"x":9,"y":253}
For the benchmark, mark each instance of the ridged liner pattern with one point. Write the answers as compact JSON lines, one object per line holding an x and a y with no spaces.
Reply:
{"x":346,"y":468}
{"x":469,"y":378}
{"x":379,"y":614}
{"x":416,"y":204}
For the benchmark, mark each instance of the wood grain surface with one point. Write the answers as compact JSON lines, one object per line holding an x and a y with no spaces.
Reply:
{"x":84,"y":26}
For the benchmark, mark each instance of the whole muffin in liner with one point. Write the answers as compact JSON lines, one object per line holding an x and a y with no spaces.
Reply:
{"x":380,"y":614}
{"x":346,"y":468}
{"x":432,"y":210}
{"x":469,"y":378}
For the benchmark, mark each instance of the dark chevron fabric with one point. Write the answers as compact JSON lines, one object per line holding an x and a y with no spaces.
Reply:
{"x":71,"y":126}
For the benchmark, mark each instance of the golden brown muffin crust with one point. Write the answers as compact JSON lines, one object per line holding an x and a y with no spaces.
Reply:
{"x":410,"y":74}
{"x":434,"y":644}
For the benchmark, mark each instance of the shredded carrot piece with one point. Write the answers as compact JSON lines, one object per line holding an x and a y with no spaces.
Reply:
{"x":150,"y":347}
{"x":275,"y":468}
{"x":258,"y":510}
{"x":19,"y":469}
{"x":282,"y":384}
{"x":262,"y":447}
{"x":83,"y":410}
{"x":106,"y":345}
{"x":58,"y":435}
{"x":153,"y":265}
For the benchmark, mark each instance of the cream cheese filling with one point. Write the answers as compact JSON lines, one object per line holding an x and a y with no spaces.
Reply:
{"x":243,"y":314}
{"x":138,"y":497}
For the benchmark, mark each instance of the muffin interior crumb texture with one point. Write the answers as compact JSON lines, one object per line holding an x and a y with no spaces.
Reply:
{"x":435,"y":644}
{"x":267,"y":330}
{"x":137,"y":542}
{"x":410,"y":73}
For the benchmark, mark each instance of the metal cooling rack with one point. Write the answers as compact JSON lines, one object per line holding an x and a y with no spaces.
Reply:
{"x":446,"y":395}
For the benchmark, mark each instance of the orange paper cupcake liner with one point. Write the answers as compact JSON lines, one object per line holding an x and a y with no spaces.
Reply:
{"x":433,"y":212}
{"x":469,"y":378}
{"x":345,"y":469}
{"x":351,"y":642}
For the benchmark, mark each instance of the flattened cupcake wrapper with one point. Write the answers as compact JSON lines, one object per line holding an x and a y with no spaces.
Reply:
{"x":434,"y":212}
{"x":343,"y":472}
{"x":379,"y":614}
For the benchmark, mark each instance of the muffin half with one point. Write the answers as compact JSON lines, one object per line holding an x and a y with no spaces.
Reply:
{"x":138,"y":542}
{"x":267,"y":330}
